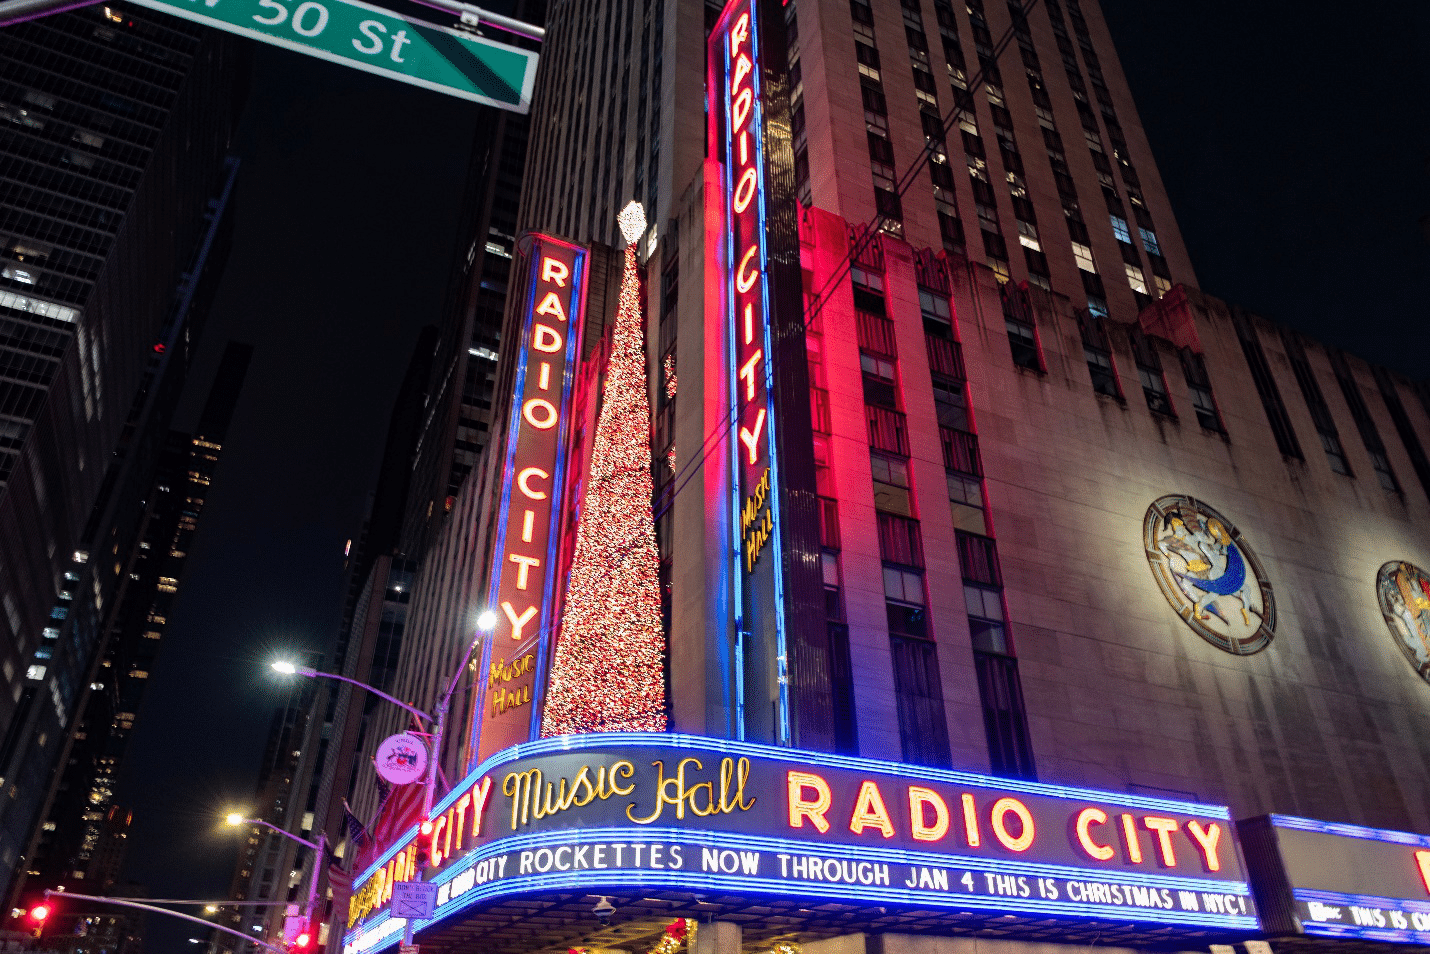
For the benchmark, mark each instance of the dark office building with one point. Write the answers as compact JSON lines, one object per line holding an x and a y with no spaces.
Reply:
{"x":114,"y":126}
{"x":456,"y":424}
{"x":78,"y":845}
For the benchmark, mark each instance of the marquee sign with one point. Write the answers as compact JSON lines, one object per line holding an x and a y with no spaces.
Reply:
{"x":1332,"y":880}
{"x":523,"y":573}
{"x":602,"y":813}
{"x":737,"y":136}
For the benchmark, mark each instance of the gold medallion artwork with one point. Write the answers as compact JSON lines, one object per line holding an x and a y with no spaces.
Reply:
{"x":1404,"y":593}
{"x":1209,"y":574}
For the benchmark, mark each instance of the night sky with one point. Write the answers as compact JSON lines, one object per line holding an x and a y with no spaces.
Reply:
{"x":1294,"y":149}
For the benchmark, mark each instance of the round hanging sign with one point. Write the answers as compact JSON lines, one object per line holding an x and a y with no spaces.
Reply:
{"x":401,"y":759}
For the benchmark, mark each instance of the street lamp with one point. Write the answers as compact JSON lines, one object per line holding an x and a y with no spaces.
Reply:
{"x":486,"y":621}
{"x":293,"y":669}
{"x":319,"y":855}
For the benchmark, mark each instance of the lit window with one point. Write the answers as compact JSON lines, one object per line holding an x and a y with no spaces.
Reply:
{"x":1119,"y":228}
{"x":1136,"y":279}
{"x":1149,"y":241}
{"x":1083,"y":255}
{"x":35,"y":672}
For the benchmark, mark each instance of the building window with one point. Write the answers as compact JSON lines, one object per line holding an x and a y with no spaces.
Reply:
{"x":918,"y":692}
{"x":965,"y":498}
{"x":1149,"y":373}
{"x":1098,"y":352}
{"x":1120,"y":229}
{"x":904,"y":600}
{"x":881,"y":387}
{"x":1136,"y":278}
{"x":1266,"y":388}
{"x":1083,"y":256}
{"x":951,"y":405}
{"x":1199,"y":386}
{"x":1022,"y":332}
{"x":938,"y":317}
{"x":1370,"y":435}
{"x":891,"y":484}
{"x":1403,"y":427}
{"x":1316,"y":403}
{"x":1149,"y":241}
{"x":1010,"y":753}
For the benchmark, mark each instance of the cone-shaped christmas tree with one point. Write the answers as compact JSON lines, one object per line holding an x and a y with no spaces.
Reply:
{"x":608,"y":674}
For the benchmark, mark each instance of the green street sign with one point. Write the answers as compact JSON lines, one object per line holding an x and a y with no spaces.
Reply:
{"x":377,"y":41}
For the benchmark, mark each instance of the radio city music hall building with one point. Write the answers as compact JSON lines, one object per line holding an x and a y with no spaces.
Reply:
{"x":1012,"y":590}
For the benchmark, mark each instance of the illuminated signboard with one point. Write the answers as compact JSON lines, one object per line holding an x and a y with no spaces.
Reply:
{"x":523,"y":572}
{"x":606,"y":812}
{"x":1322,"y":878}
{"x":737,"y":135}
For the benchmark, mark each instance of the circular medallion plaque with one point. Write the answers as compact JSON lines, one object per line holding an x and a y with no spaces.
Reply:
{"x":1208,"y":573}
{"x":1404,"y":592}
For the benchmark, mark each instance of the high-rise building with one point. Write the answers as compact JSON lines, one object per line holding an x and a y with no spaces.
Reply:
{"x":1016,"y":589}
{"x":456,"y":420}
{"x":112,"y":230}
{"x":78,"y":846}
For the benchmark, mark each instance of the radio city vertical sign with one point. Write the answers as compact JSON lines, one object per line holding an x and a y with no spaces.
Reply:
{"x":737,"y":136}
{"x":1342,"y":881}
{"x":522,"y":584}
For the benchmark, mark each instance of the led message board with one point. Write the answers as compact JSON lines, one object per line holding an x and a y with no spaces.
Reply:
{"x":1322,"y":878}
{"x":522,"y":585}
{"x":602,"y":813}
{"x":737,"y":136}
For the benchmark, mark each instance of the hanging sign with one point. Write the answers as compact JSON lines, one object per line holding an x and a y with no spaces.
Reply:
{"x":522,"y":582}
{"x":737,"y":136}
{"x":401,"y":759}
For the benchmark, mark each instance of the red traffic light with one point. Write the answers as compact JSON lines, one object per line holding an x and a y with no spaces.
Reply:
{"x":424,"y":841}
{"x":39,"y":912}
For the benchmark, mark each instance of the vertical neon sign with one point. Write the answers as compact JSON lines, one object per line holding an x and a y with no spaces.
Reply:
{"x":522,"y":584}
{"x":737,"y":135}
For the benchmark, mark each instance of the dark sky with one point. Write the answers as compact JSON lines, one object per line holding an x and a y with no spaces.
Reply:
{"x":1293,"y":141}
{"x":346,"y":219}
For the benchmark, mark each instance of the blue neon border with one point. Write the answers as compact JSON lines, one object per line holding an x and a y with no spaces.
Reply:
{"x":777,"y":548}
{"x":1394,"y":935}
{"x":1350,"y":831}
{"x":688,"y":879}
{"x":649,"y":740}
{"x":557,"y":510}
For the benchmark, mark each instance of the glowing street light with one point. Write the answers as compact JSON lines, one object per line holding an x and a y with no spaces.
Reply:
{"x":487,"y":621}
{"x":319,"y":855}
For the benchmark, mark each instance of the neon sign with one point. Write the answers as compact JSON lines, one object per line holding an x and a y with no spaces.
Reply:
{"x":1335,"y":880}
{"x":608,"y":812}
{"x":737,"y":135}
{"x":523,"y":572}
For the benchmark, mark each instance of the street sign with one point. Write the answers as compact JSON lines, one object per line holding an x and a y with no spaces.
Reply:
{"x":376,"y":41}
{"x":414,"y":900}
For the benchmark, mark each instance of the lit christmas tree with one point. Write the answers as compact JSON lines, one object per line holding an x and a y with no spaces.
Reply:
{"x":608,"y":674}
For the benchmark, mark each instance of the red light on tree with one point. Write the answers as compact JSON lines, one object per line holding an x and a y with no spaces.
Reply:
{"x":39,"y":913}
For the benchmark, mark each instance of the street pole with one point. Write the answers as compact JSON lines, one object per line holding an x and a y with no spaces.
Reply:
{"x":126,"y":903}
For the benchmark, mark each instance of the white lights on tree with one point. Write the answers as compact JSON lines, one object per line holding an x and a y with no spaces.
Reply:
{"x":608,"y":671}
{"x":632,"y":221}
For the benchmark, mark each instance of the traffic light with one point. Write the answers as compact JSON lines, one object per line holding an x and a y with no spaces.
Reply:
{"x":303,"y":943}
{"x":424,"y":842}
{"x":37,"y":916}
